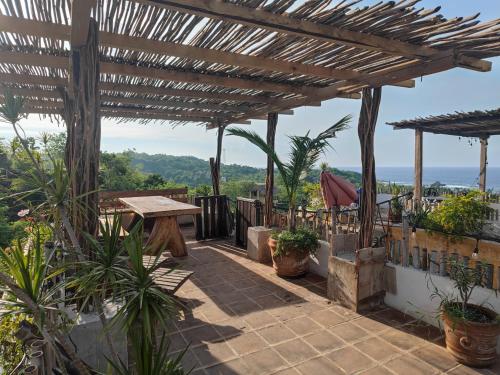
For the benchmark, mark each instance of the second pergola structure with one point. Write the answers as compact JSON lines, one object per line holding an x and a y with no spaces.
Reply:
{"x":217,"y":63}
{"x":476,"y":124}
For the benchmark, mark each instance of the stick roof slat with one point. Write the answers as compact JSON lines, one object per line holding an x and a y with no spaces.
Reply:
{"x":257,"y":56}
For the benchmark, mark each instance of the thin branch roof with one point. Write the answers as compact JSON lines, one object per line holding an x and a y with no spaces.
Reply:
{"x":463,"y":124}
{"x":214,"y":61}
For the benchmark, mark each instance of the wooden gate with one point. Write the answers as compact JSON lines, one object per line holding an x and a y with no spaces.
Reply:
{"x":249,"y":213}
{"x":215,"y":220}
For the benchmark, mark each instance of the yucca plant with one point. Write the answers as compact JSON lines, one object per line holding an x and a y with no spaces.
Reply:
{"x":145,"y":306}
{"x":305,"y":152}
{"x":150,"y":360}
{"x":29,"y":268}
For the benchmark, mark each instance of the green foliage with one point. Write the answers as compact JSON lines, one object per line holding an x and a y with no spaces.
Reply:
{"x":304,"y":154}
{"x":116,"y":173}
{"x":203,"y":190}
{"x":312,"y":194}
{"x":301,"y":241}
{"x":151,"y":361}
{"x":465,"y":280}
{"x":460,"y":215}
{"x":235,"y":189}
{"x":11,"y":351}
{"x":26,"y":264}
{"x":419,"y":218}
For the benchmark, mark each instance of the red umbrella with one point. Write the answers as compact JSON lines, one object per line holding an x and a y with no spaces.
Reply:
{"x":336,"y":191}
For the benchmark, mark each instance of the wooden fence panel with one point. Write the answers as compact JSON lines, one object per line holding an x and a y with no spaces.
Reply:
{"x":249,"y":213}
{"x":216,"y":220}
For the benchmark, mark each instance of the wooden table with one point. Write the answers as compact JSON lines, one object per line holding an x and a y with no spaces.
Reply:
{"x":165,"y":233}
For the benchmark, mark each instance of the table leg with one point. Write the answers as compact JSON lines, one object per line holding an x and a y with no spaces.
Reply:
{"x":166,"y":235}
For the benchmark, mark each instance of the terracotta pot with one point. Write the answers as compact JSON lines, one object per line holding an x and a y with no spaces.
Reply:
{"x":472,"y":343}
{"x":291,"y":265}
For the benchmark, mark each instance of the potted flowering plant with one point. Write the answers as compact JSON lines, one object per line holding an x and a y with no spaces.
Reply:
{"x":290,"y":248}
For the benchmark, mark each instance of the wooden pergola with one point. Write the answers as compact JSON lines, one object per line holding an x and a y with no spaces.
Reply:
{"x":476,"y":124}
{"x":217,"y":62}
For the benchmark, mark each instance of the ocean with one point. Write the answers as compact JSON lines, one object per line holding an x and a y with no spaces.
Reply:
{"x":453,"y":177}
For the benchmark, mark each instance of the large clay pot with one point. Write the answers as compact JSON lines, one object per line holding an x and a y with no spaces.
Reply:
{"x":472,"y":343}
{"x":291,"y":265}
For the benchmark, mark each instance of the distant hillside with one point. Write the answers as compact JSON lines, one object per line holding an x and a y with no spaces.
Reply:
{"x":193,"y":171}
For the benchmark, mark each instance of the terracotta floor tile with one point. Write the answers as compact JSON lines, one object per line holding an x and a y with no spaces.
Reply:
{"x":464,"y":370}
{"x":302,"y":326}
{"x":349,"y":332}
{"x":327,"y":318}
{"x":287,"y":371}
{"x":246,"y":343}
{"x":402,"y":340}
{"x":231,"y":327}
{"x":269,"y":302}
{"x":196,"y":336}
{"x":259,"y":319}
{"x":392,"y":317}
{"x":379,"y":370}
{"x":263,"y":362}
{"x":276,"y":333}
{"x":319,"y":365}
{"x":175,"y":342}
{"x":213,"y":353}
{"x":377,"y":349}
{"x":406,"y":364}
{"x":323,"y":341}
{"x":370,"y":325}
{"x":295,"y":351}
{"x":436,"y":356}
{"x":233,"y":367}
{"x":244,"y":307}
{"x":350,"y":360}
{"x":215,"y":314}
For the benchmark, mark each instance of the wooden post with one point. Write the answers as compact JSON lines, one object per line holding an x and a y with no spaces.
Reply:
{"x":272,"y":122}
{"x":81,"y":114}
{"x":366,"y":131}
{"x":483,"y":164}
{"x":417,"y":194}
{"x":215,"y":164}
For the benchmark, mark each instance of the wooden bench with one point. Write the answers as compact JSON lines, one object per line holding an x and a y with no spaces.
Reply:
{"x":166,"y":277}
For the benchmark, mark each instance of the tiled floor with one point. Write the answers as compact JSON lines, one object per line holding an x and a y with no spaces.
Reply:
{"x":242,"y":319}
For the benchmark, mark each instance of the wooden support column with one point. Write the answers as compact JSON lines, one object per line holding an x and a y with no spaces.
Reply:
{"x":215,"y":163}
{"x":272,"y":122}
{"x":81,"y":114}
{"x":366,"y":131}
{"x":417,"y":194}
{"x":483,"y":164}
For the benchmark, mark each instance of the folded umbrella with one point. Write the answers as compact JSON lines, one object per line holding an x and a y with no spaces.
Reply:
{"x":336,"y":191}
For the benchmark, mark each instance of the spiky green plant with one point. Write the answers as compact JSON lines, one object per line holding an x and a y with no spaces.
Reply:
{"x":305,"y":152}
{"x":150,"y":360}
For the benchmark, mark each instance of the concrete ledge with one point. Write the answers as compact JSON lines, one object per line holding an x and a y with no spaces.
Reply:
{"x":257,"y":248}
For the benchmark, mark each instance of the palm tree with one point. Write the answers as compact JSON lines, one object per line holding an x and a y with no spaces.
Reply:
{"x":305,"y":152}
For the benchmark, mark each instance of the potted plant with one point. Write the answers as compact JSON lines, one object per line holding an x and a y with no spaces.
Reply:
{"x":290,"y":249}
{"x":396,"y":213}
{"x":471,"y":331}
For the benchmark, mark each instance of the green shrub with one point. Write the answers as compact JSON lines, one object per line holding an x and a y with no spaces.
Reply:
{"x":460,"y":215}
{"x":10,"y":348}
{"x":301,"y":241}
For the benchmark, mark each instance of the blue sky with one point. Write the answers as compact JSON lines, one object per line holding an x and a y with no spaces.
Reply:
{"x":456,"y":90}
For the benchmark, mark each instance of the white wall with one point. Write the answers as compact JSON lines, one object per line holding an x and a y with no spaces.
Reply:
{"x":318,"y":263}
{"x":414,"y":289}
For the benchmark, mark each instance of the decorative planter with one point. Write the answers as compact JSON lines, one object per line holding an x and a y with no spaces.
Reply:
{"x":472,"y":343}
{"x":291,"y":265}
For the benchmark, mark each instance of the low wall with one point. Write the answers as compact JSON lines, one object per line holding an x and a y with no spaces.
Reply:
{"x":318,"y":263}
{"x":489,"y":251}
{"x":413,"y":291}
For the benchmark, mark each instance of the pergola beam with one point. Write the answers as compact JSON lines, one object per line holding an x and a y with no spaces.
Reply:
{"x":126,"y":42}
{"x":80,"y":21}
{"x":284,"y":24}
{"x":417,"y":195}
{"x":483,"y":162}
{"x":380,"y":78}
